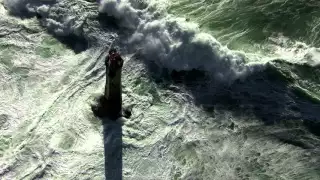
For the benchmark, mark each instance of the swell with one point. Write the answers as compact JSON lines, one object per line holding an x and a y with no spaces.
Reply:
{"x":242,"y":23}
{"x":269,"y":94}
{"x":178,"y":50}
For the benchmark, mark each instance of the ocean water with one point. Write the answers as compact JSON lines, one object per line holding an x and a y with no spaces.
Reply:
{"x":221,"y":90}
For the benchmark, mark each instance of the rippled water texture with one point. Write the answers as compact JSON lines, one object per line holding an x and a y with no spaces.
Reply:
{"x":219,"y":95}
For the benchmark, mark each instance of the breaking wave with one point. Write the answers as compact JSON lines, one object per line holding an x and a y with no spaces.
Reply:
{"x":200,"y":110}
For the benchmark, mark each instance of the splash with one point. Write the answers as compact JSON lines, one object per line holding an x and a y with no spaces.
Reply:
{"x":176,"y":44}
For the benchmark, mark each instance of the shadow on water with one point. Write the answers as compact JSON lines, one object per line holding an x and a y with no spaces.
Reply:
{"x":75,"y":41}
{"x":269,"y":95}
{"x":78,"y":43}
{"x":112,"y":138}
{"x":107,"y":22}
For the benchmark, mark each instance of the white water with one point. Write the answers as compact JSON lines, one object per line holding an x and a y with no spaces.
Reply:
{"x":49,"y":132}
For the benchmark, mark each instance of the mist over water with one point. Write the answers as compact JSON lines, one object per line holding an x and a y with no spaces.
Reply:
{"x":209,"y":98}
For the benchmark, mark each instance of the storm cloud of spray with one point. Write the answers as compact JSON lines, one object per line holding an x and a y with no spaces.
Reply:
{"x":209,"y":132}
{"x":170,"y":42}
{"x":42,"y":8}
{"x":176,"y":44}
{"x":26,"y":7}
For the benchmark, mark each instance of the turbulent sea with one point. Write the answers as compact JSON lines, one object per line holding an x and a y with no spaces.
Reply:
{"x":219,"y":89}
